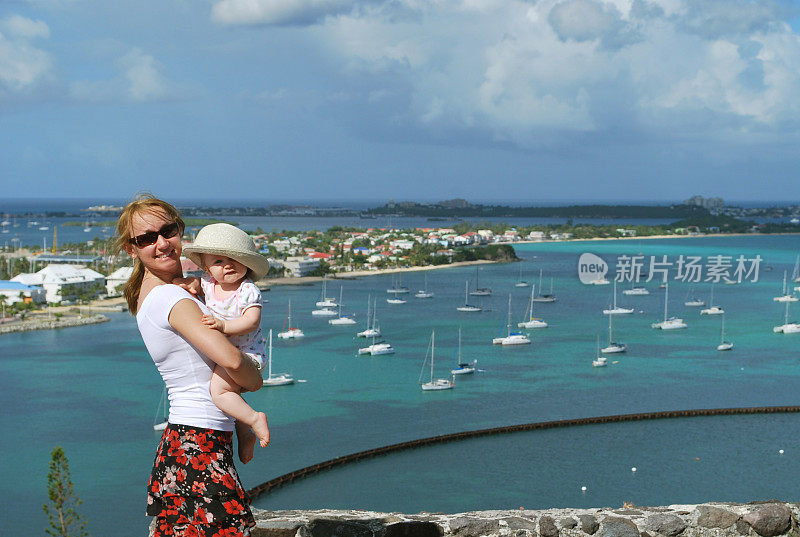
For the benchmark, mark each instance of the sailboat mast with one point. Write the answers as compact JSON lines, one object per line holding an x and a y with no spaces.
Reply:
{"x":508,"y":322}
{"x":615,"y":294}
{"x":610,"y":334}
{"x":433,"y":344}
{"x":269,"y":362}
{"x":666,"y":299}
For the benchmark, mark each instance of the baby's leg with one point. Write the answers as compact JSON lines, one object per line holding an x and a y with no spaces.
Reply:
{"x":225,"y":393}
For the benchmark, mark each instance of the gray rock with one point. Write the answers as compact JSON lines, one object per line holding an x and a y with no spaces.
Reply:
{"x":743,"y":527}
{"x":413,"y":528}
{"x":588,"y":524}
{"x":473,"y":527}
{"x":568,"y":522}
{"x":547,"y":527}
{"x":665,"y":524}
{"x":275,"y":528}
{"x":520,"y":523}
{"x":769,"y":520}
{"x":715,"y":517}
{"x":331,"y":527}
{"x":617,"y":527}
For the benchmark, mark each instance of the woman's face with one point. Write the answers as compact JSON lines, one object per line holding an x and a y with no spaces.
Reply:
{"x":162,"y":257}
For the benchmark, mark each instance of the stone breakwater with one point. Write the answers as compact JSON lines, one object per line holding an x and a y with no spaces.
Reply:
{"x":45,"y":323}
{"x":758,"y":519}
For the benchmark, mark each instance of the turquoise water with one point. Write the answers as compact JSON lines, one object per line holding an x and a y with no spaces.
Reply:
{"x":94,"y":391}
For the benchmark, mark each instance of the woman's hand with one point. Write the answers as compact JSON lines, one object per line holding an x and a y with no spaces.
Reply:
{"x":190,"y":284}
{"x":186,"y":319}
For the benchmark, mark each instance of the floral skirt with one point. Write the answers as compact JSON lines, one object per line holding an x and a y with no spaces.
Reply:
{"x":194,"y":490}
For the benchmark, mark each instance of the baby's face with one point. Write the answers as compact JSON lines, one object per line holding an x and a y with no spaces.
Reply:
{"x":224,"y":269}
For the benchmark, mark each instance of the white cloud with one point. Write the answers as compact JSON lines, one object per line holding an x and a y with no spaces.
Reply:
{"x":140,"y":78}
{"x":22,"y":64}
{"x":526,"y":72}
{"x":278,"y":12}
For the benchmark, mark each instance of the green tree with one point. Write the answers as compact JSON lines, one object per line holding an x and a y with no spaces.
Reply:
{"x":64,"y":519}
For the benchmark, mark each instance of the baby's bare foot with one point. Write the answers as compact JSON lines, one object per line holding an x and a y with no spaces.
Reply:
{"x":247,"y":443}
{"x":261,"y":429}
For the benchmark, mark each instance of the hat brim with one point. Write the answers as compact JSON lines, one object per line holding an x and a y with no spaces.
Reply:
{"x":257,"y":263}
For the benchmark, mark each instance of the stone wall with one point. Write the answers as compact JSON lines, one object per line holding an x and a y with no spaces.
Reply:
{"x":43,"y":322}
{"x":757,"y":519}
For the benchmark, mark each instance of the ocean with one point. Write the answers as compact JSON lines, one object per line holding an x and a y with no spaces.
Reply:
{"x":94,"y":391}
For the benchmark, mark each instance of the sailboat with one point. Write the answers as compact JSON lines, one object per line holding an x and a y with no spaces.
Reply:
{"x":796,"y":271}
{"x":785,"y":295}
{"x":423,"y":293}
{"x":341,"y":319}
{"x":787,"y":327}
{"x":376,"y":349}
{"x":275,"y":380}
{"x":616,"y":310}
{"x":521,"y":282}
{"x":163,"y":409}
{"x":693,"y":301}
{"x":550,"y":297}
{"x":372,"y":330}
{"x":599,"y":361}
{"x":434,"y":384}
{"x":468,"y":307}
{"x":635,"y":291}
{"x":480,"y":291}
{"x":613,"y":346}
{"x":712,"y":309}
{"x":530,"y":321}
{"x":325,"y":302}
{"x":724,"y":345}
{"x":288,"y":331}
{"x":669,"y":323}
{"x":511,"y":338}
{"x":397,"y":288}
{"x":462,"y":368}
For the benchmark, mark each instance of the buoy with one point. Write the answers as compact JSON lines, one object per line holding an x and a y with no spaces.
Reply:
{"x":583,"y":488}
{"x":780,"y":451}
{"x":697,"y":458}
{"x":633,"y":469}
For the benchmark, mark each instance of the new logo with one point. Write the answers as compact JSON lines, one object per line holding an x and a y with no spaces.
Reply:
{"x":591,"y":268}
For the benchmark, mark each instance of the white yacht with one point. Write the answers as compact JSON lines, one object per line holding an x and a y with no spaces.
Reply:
{"x":434,"y":384}
{"x":511,"y":338}
{"x":785,"y":295}
{"x":616,"y":310}
{"x":600,"y":281}
{"x":376,"y":349}
{"x":397,"y":288}
{"x":669,"y":323}
{"x":599,"y":361}
{"x":521,"y":282}
{"x":462,"y":368}
{"x":324,"y":312}
{"x":325,"y":302}
{"x":529,"y":320}
{"x":613,"y":347}
{"x":288,"y":331}
{"x":692,"y":301}
{"x":549,"y":297}
{"x":341,"y":320}
{"x":712,"y":309}
{"x":396,"y":300}
{"x":480,"y":291}
{"x":372,"y":330}
{"x":636,"y":291}
{"x":467,"y":307}
{"x":423,"y":293}
{"x":787,"y":327}
{"x":724,"y":345}
{"x":283,"y":379}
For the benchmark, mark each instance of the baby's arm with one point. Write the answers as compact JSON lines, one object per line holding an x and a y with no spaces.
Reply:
{"x":190,"y":284}
{"x":248,"y":322}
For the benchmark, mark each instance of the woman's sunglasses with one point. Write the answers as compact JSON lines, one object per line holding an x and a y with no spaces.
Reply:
{"x":146,"y":239}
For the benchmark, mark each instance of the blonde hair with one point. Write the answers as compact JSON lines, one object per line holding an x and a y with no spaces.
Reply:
{"x":143,"y":202}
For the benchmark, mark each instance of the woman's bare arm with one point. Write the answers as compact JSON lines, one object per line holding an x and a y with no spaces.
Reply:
{"x":185,"y":318}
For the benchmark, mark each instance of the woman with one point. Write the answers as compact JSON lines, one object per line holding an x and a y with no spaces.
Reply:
{"x":194,"y":489}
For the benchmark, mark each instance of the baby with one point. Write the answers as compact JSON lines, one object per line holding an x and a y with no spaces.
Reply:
{"x":229,"y":257}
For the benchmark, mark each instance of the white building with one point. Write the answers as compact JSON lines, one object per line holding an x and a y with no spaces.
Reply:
{"x":65,"y":282}
{"x":300,"y":266}
{"x":19,"y":292}
{"x":116,"y":280}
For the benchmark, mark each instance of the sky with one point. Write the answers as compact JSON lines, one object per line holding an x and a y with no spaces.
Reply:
{"x":486,"y":100}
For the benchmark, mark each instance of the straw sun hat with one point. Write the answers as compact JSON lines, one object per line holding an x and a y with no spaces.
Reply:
{"x":230,"y":241}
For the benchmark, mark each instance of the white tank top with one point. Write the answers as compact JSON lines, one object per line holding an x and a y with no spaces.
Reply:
{"x":185,"y":371}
